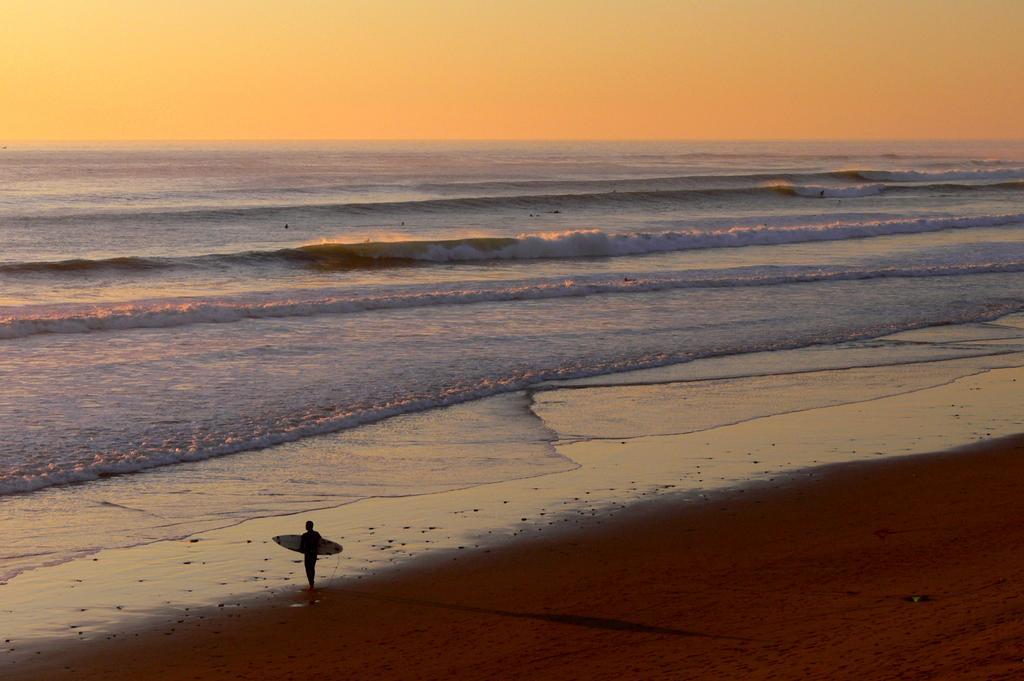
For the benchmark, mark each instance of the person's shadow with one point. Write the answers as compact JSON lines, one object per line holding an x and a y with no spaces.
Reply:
{"x":573,"y":620}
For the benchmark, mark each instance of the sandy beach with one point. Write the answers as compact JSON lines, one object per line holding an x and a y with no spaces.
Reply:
{"x":828,"y":542}
{"x":811,"y":579}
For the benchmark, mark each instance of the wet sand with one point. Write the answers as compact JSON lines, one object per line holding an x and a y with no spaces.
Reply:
{"x":810,"y":578}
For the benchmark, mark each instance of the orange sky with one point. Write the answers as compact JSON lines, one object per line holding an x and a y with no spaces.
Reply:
{"x":540,"y":69}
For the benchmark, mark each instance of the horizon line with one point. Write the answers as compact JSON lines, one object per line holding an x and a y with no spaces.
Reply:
{"x":503,"y":139}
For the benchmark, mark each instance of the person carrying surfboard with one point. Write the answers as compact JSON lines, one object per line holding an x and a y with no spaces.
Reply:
{"x":309,"y":544}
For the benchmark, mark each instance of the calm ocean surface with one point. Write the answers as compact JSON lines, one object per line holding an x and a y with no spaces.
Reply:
{"x":164,"y":307}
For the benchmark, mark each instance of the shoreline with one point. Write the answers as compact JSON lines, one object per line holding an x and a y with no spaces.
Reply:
{"x":808,"y":577}
{"x":849,"y":414}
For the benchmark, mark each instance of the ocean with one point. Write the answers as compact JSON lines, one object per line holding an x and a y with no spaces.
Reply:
{"x":196,"y":334}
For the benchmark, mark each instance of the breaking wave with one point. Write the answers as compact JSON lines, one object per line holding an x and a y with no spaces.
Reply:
{"x":592,"y":243}
{"x":31,"y":321}
{"x":938,"y":175}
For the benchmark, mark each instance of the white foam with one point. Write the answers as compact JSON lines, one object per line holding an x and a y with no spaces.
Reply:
{"x":31,"y":320}
{"x":597,"y":243}
{"x":27,"y":478}
{"x":940,"y":175}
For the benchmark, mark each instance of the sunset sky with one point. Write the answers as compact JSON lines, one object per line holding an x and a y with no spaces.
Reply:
{"x":538,"y":69}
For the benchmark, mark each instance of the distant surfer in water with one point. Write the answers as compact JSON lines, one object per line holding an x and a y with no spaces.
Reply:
{"x":308,"y":545}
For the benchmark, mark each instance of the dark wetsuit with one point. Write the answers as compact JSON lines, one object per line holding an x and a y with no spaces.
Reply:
{"x":308,"y":544}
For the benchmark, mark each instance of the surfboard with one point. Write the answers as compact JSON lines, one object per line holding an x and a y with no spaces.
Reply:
{"x":292,"y":541}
